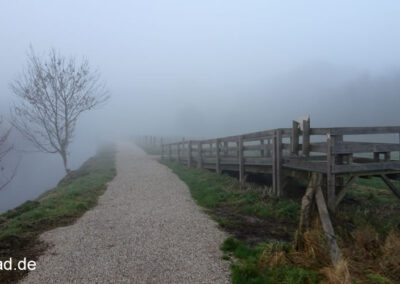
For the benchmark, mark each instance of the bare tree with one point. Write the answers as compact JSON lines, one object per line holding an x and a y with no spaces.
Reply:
{"x":5,"y":149}
{"x":52,"y":92}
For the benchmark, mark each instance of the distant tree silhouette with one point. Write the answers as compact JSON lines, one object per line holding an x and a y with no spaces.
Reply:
{"x":52,"y":92}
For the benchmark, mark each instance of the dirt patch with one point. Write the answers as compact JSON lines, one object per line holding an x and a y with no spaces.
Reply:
{"x":251,"y":229}
{"x":18,"y":249}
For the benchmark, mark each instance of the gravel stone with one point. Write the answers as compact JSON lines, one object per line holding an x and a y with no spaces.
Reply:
{"x":145,"y":229}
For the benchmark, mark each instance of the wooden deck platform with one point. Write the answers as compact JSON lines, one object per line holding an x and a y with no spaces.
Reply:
{"x":281,"y":151}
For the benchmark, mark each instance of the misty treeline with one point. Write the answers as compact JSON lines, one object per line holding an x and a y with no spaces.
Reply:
{"x":49,"y":97}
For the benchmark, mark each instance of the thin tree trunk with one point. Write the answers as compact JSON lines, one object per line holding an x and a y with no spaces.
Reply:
{"x":65,"y":162}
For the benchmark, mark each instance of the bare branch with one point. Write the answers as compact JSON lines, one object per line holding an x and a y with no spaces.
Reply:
{"x":5,"y":149}
{"x":51,"y":95}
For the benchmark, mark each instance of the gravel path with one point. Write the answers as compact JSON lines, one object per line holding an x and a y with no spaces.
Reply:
{"x":145,"y":229}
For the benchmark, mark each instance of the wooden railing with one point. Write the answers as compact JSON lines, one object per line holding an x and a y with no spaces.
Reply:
{"x":322,"y":150}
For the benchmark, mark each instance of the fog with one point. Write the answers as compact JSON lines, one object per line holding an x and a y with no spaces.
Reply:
{"x":206,"y":68}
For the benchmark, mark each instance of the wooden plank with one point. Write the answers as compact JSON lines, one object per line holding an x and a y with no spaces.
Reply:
{"x":366,"y":167}
{"x":316,"y":166}
{"x":208,"y":141}
{"x":258,"y":161}
{"x":241,"y":159}
{"x":258,"y":135}
{"x":229,"y":161}
{"x":257,"y":147}
{"x":356,"y":130}
{"x":318,"y":147}
{"x":391,"y":186}
{"x":327,"y":226}
{"x":294,"y":141}
{"x":363,"y":147}
{"x":218,"y":158}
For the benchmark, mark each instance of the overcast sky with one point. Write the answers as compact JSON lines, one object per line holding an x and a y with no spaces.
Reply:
{"x":204,"y":68}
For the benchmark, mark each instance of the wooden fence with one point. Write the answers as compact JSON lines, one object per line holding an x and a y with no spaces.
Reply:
{"x":299,"y":148}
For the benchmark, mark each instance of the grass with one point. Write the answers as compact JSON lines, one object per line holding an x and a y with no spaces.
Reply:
{"x":213,"y":191}
{"x":367,"y":226}
{"x":249,"y":268}
{"x":74,"y":195}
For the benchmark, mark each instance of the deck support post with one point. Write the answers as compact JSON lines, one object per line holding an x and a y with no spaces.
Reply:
{"x":217,"y":155}
{"x":307,"y":206}
{"x":344,"y":189}
{"x":392,"y":187}
{"x":327,"y":226}
{"x":241,"y":160}
{"x":314,"y":192}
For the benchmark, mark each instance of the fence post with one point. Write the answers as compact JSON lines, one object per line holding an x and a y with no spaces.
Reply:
{"x":225,"y":148}
{"x":189,"y":162}
{"x":241,"y":159}
{"x":162,"y":152}
{"x":178,"y":151}
{"x":330,"y":176}
{"x":306,"y":138}
{"x":169,"y":152}
{"x":237,"y":149}
{"x":277,"y":163}
{"x":200,"y":156}
{"x":218,"y":159}
{"x":269,"y":145}
{"x":262,"y":152}
{"x":294,"y":141}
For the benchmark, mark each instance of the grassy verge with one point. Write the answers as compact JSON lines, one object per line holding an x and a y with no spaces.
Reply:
{"x":75,"y":194}
{"x":262,"y":229}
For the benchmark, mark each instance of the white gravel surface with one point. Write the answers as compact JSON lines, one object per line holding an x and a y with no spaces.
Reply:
{"x":145,"y":229}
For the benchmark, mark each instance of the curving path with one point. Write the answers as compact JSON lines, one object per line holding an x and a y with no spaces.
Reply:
{"x":145,"y":229}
